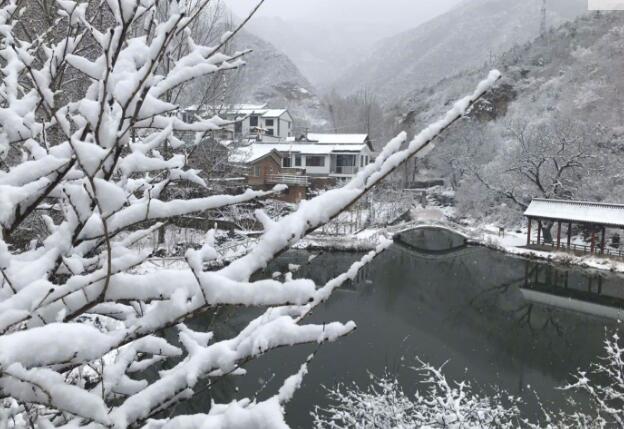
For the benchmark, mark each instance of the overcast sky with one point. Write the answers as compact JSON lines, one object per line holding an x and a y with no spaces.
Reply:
{"x":405,"y":13}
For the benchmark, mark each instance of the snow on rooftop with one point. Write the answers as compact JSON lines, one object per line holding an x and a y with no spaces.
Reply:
{"x":274,"y":113}
{"x":577,"y":211}
{"x":338,"y":138}
{"x":247,"y":154}
{"x":265,"y":113}
{"x":259,"y":109}
{"x":251,"y":153}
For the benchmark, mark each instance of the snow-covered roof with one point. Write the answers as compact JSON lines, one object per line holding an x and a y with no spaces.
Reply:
{"x":255,"y":151}
{"x":577,"y":211}
{"x":274,"y":113}
{"x":265,"y":113}
{"x":338,"y":138}
{"x":242,"y":110}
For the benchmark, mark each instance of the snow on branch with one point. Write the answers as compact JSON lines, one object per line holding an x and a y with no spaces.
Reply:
{"x":91,"y":147}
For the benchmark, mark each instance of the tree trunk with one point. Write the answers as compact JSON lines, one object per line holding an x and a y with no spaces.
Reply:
{"x":546,"y":231}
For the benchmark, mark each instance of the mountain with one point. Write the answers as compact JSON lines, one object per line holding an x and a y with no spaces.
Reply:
{"x":472,"y":33}
{"x":573,"y":71}
{"x":321,"y":59}
{"x":271,"y":77}
{"x":565,"y":84}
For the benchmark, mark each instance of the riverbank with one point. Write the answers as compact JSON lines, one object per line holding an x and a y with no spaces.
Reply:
{"x":511,"y":242}
{"x":514,"y":243}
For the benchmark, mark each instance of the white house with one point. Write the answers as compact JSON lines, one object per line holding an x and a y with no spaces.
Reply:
{"x":340,"y":139}
{"x":318,"y":160}
{"x":249,"y":120}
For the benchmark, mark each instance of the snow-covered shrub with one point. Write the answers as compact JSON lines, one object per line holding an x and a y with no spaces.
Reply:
{"x":78,"y":326}
{"x":603,"y":383}
{"x":440,"y":404}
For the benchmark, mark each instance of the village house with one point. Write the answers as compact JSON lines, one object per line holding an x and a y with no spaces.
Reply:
{"x":314,"y":161}
{"x":248,"y":121}
{"x":265,"y":171}
{"x":319,"y":160}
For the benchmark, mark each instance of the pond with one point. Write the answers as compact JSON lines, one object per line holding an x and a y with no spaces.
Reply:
{"x":499,"y":321}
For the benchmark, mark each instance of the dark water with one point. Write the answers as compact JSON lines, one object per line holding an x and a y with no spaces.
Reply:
{"x":500,"y":321}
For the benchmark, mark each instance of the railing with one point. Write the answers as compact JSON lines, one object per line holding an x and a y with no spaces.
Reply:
{"x":345,"y":170}
{"x":584,"y":248}
{"x":228,"y":252}
{"x":278,"y":179}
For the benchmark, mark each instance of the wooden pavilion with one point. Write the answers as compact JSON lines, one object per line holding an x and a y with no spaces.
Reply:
{"x":596,"y":217}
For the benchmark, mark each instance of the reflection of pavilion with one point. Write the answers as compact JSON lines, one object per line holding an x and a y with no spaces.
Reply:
{"x":547,"y":285}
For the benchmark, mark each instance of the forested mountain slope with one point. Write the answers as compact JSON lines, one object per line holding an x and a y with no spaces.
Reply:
{"x":559,"y":103}
{"x":271,"y":77}
{"x":321,"y":61}
{"x":472,"y":33}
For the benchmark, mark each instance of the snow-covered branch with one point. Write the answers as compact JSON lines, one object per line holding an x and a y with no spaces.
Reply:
{"x":89,"y":107}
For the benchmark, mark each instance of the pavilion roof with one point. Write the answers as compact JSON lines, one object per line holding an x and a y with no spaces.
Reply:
{"x":577,"y":212}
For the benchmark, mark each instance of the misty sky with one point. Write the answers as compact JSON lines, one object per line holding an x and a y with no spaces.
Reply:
{"x":405,"y":13}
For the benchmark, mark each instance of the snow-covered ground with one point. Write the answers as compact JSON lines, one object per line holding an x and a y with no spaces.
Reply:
{"x":515,"y":243}
{"x":512,"y":242}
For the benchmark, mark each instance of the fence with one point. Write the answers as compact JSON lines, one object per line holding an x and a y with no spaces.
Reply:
{"x":583,"y":248}
{"x":278,"y":179}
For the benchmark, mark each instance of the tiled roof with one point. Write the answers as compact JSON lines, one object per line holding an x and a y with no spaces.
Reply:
{"x":577,"y":211}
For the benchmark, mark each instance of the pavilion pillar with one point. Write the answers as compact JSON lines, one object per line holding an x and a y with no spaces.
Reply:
{"x":529,"y":232}
{"x":569,"y":235}
{"x":602,"y":242}
{"x":593,"y":240}
{"x":539,"y":232}
{"x":559,"y":235}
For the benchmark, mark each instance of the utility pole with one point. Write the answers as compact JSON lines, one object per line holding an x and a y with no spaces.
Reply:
{"x":543,"y":18}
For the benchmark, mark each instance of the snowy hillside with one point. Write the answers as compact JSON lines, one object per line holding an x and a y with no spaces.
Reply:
{"x":271,"y":77}
{"x":471,"y":34}
{"x":569,"y":80}
{"x":344,"y":44}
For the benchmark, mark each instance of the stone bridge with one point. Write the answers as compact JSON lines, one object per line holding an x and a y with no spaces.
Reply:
{"x":395,"y":230}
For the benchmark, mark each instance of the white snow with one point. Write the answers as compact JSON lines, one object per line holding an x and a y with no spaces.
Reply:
{"x":338,"y":139}
{"x":77,"y":301}
{"x":254,"y":151}
{"x":577,"y":211}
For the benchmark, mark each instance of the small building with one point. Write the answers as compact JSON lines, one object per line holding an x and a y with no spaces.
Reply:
{"x":259,"y":120}
{"x":595,"y":217}
{"x":338,"y":161}
{"x":340,"y":139}
{"x":264,"y":171}
{"x":248,"y":120}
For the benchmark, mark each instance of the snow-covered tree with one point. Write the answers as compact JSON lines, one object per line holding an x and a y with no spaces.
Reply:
{"x":78,"y":326}
{"x":440,"y":403}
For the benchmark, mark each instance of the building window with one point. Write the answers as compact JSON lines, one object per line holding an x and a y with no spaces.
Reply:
{"x":256,"y":170}
{"x":269,"y":122}
{"x":253,"y":121}
{"x":315,"y":161}
{"x":346,"y":160}
{"x":286,"y":162}
{"x":297,"y":160}
{"x":270,"y":132}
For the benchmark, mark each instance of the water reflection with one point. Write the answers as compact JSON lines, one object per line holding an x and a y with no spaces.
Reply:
{"x":595,"y":294}
{"x":490,"y":315}
{"x":431,"y":241}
